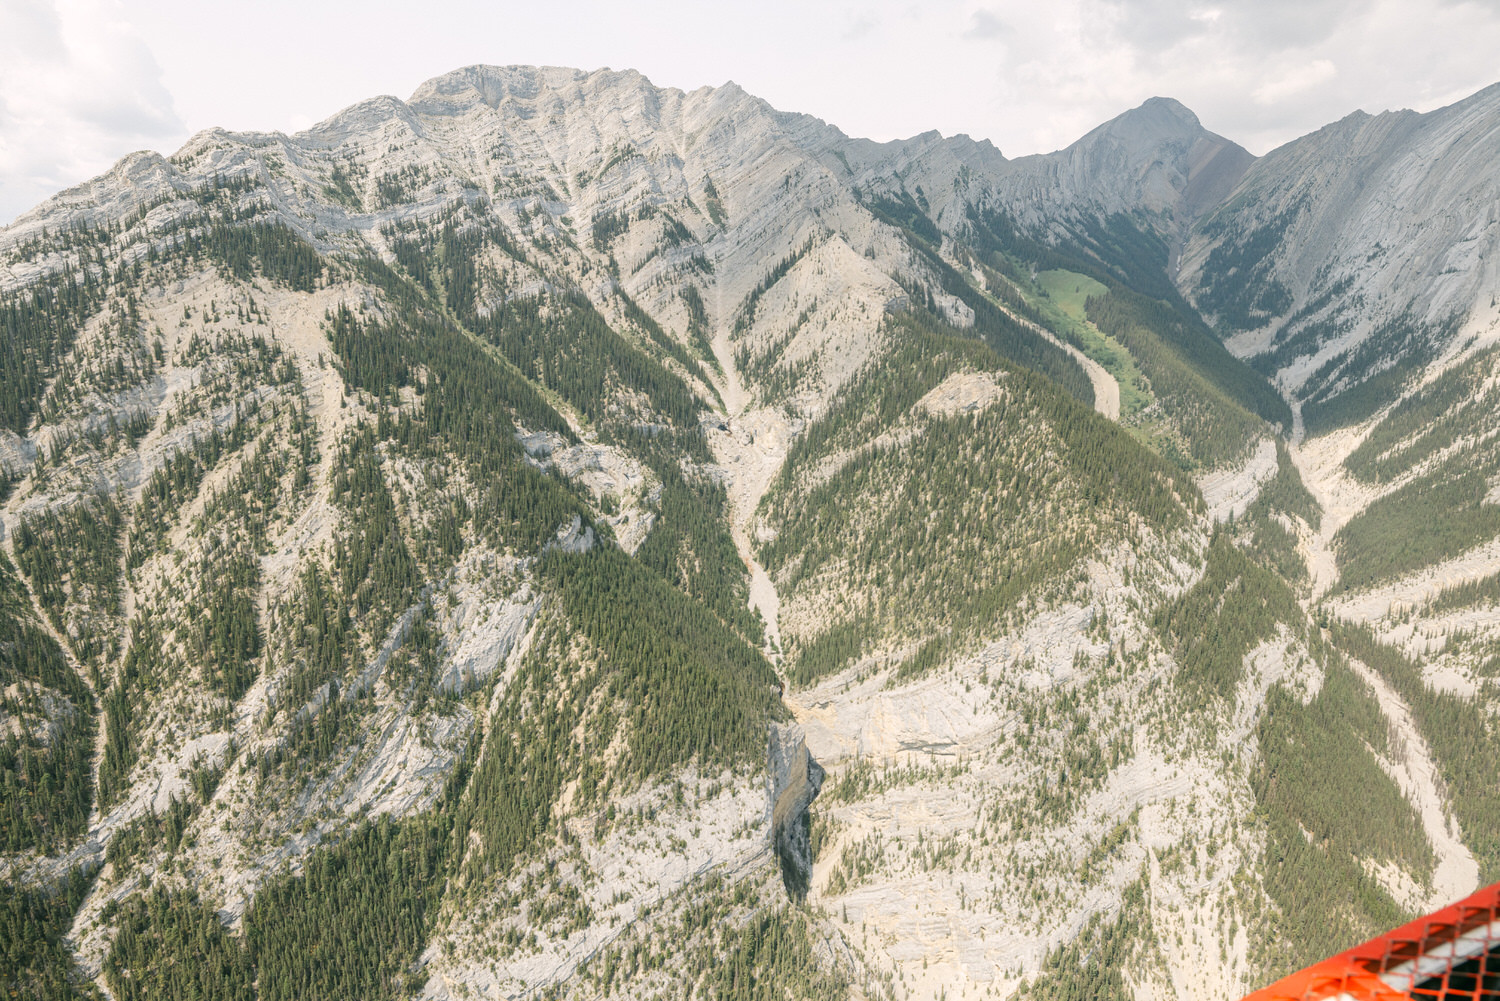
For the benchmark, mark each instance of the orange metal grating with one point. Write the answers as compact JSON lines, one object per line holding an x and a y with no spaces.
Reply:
{"x":1450,"y":955}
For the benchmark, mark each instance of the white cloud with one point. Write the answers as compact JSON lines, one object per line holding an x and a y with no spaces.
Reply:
{"x":78,"y":89}
{"x":859,"y":26}
{"x":1298,"y":80}
{"x":1261,"y":73}
{"x":984,"y":23}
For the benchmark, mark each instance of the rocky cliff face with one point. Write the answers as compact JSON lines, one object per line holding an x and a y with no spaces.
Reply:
{"x":1156,"y":158}
{"x":415,"y":524}
{"x":1346,"y":260}
{"x":795,"y":780}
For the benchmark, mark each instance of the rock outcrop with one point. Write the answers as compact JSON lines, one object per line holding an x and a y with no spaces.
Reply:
{"x":794,"y":780}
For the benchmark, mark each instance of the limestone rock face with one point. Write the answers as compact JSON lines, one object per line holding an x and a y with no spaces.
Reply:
{"x":1368,"y":244}
{"x":795,"y":779}
{"x":1156,"y":158}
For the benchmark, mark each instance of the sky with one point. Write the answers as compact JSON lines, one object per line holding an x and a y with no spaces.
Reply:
{"x":83,"y":82}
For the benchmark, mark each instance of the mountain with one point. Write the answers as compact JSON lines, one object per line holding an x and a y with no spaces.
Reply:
{"x":556,"y":535}
{"x":1156,"y":158}
{"x":1347,"y":259}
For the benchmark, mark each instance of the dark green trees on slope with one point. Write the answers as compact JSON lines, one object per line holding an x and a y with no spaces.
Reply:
{"x":949,"y":528}
{"x":46,"y":779}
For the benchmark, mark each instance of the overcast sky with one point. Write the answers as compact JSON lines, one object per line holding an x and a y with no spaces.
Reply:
{"x":83,"y":82}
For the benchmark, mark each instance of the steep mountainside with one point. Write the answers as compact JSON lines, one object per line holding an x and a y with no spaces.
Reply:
{"x":560,"y":536}
{"x":1348,"y":260}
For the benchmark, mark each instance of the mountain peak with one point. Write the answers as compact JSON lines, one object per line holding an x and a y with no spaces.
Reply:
{"x":1157,"y":156}
{"x":1158,"y":119}
{"x":1168,"y":106}
{"x":495,"y":84}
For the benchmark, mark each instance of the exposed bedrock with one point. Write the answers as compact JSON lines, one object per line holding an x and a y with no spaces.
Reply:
{"x":795,"y":779}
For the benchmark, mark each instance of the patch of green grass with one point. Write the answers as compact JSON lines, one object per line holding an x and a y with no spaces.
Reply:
{"x":1070,"y":291}
{"x":1064,"y":306}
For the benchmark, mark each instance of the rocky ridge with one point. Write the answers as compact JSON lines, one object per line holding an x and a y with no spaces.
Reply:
{"x":1360,"y":249}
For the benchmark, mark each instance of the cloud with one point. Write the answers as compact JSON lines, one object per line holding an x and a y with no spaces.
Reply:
{"x":860,"y":26}
{"x":985,"y":24}
{"x":1160,"y":25}
{"x":32,"y":26}
{"x":80,"y":87}
{"x":1261,"y":73}
{"x":1298,"y":80}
